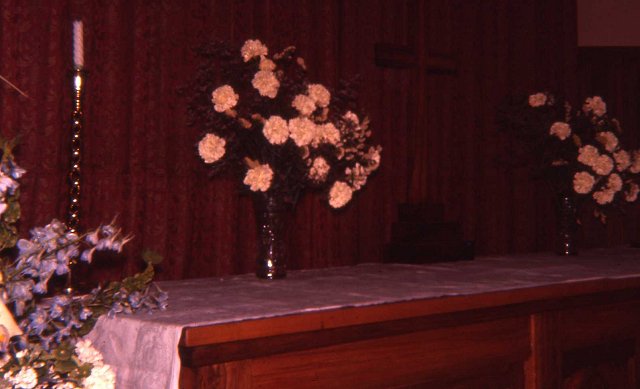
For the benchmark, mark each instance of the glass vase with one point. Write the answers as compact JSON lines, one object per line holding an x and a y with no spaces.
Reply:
{"x":566,"y":225}
{"x":273,"y":220}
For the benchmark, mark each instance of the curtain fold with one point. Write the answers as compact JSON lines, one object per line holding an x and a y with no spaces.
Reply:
{"x":139,"y":156}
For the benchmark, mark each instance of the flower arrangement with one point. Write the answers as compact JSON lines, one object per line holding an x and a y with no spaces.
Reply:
{"x":41,"y":344}
{"x":277,"y":130}
{"x":578,"y":150}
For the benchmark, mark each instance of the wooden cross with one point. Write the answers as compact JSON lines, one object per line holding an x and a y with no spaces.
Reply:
{"x":408,"y":56}
{"x":394,"y":56}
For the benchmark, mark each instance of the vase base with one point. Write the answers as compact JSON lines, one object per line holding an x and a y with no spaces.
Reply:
{"x":270,"y":272}
{"x":566,"y":250}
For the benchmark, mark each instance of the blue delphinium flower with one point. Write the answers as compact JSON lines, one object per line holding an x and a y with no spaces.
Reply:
{"x":38,"y":321}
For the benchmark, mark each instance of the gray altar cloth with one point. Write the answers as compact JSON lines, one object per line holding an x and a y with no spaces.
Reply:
{"x":143,"y":347}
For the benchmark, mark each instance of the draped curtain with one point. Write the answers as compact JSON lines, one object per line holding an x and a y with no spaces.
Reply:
{"x":140,"y":163}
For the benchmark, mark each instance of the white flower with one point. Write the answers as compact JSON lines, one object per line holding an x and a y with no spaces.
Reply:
{"x":373,"y":157}
{"x":276,"y":130}
{"x":87,"y":353}
{"x":26,"y":378}
{"x":7,"y":183}
{"x":357,"y":176}
{"x":304,"y":104}
{"x":537,"y":100}
{"x":608,"y":140}
{"x":635,"y":165}
{"x":253,"y":48}
{"x":560,"y":129}
{"x":351,"y":117}
{"x":623,"y":160}
{"x":340,"y":194}
{"x":596,"y":105}
{"x":102,"y":377}
{"x":603,"y":197}
{"x":211,"y":148}
{"x":603,"y":165}
{"x":22,"y":353}
{"x":614,"y":182}
{"x":329,"y":133}
{"x":319,"y":94}
{"x":3,"y":207}
{"x":583,"y":182}
{"x":588,"y":155}
{"x":319,"y":169}
{"x":266,"y":83}
{"x":267,"y":64}
{"x":631,"y":194}
{"x":224,"y":98}
{"x":302,"y":131}
{"x":259,"y":178}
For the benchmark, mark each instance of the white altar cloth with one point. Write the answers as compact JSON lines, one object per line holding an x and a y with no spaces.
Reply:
{"x":143,"y":347}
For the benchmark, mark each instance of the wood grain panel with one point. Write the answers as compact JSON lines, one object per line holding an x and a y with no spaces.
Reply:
{"x":400,"y":360}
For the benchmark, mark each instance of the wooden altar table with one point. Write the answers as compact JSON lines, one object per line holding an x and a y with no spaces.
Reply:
{"x":526,"y":321}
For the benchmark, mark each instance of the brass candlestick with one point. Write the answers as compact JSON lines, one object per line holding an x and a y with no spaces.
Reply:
{"x":73,"y":215}
{"x":73,"y":212}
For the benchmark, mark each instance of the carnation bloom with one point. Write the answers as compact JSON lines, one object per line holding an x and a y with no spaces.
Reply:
{"x":583,"y":182}
{"x":588,"y":155}
{"x":26,"y":378}
{"x":304,"y":104}
{"x":560,"y":129}
{"x":267,"y":64}
{"x":603,"y":197}
{"x":608,"y":140}
{"x":596,"y":105}
{"x":614,"y":182}
{"x":259,"y":178}
{"x":87,"y":353}
{"x":537,"y":100}
{"x":253,"y":48}
{"x":330,"y":133}
{"x":357,"y":176}
{"x":276,"y":130}
{"x":631,"y":194}
{"x":635,"y":162}
{"x":266,"y":83}
{"x":319,"y":169}
{"x":211,"y":148}
{"x":351,"y":117}
{"x":319,"y":94}
{"x":224,"y":98}
{"x":603,"y":165}
{"x":102,"y":377}
{"x":340,"y":194}
{"x":373,"y":157}
{"x":302,"y":131}
{"x":623,"y":160}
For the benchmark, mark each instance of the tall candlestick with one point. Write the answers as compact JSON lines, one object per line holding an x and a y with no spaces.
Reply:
{"x":78,"y":45}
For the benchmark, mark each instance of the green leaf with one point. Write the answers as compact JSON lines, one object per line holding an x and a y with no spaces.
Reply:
{"x":152,"y":257}
{"x":65,"y":366}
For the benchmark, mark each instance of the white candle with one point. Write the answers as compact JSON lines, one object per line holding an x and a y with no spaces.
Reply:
{"x":78,"y":46}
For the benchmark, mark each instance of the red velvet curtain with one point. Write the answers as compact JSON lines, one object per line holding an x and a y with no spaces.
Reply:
{"x":140,"y":163}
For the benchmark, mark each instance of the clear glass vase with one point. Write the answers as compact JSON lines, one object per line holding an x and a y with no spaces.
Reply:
{"x":273,"y":220}
{"x":566,"y":225}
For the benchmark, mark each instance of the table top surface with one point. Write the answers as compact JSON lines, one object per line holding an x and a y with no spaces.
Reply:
{"x":217,"y":301}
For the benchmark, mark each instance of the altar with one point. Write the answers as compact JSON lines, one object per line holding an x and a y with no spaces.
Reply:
{"x":525,"y":321}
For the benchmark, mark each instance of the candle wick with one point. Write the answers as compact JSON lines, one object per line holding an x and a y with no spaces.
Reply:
{"x":13,"y":86}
